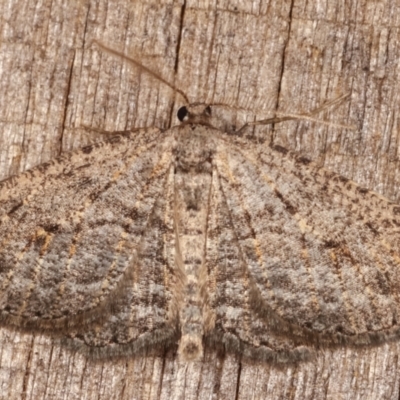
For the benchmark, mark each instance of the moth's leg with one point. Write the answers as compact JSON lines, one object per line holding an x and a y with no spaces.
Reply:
{"x":308,"y":116}
{"x":268,"y":121}
{"x":99,"y":131}
{"x":137,"y":136}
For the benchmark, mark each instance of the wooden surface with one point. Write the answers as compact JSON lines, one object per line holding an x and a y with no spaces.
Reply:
{"x":55,"y":86}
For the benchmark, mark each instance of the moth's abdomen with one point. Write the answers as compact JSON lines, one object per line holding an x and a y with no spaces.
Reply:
{"x":191,"y":210}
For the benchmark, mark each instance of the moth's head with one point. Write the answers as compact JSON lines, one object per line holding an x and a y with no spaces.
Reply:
{"x":200,"y":114}
{"x":196,"y":113}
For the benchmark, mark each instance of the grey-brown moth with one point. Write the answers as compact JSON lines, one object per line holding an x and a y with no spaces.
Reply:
{"x":192,"y":235}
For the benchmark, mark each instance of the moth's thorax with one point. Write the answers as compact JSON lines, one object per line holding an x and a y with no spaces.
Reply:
{"x":194,"y":148}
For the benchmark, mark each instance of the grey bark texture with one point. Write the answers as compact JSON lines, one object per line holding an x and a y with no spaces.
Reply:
{"x":58,"y":90}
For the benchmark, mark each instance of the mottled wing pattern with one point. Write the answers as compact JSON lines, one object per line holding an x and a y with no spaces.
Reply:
{"x":146,"y":314}
{"x":234,"y":324}
{"x":320,"y":253}
{"x":71,"y":230}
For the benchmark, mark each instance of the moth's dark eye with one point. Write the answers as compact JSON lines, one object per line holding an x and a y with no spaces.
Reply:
{"x":182,"y":113}
{"x":207,"y":111}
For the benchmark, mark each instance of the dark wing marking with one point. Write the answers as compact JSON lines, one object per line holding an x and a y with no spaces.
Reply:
{"x":70,"y":229}
{"x":321,"y":252}
{"x":229,"y":288}
{"x":146,"y":315}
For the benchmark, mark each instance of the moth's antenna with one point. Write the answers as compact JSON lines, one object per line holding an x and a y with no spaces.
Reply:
{"x":141,"y":67}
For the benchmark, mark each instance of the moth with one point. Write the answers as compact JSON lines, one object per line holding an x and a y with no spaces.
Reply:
{"x":192,"y":236}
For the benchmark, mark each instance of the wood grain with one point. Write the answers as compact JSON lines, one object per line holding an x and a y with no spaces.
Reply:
{"x":259,"y":56}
